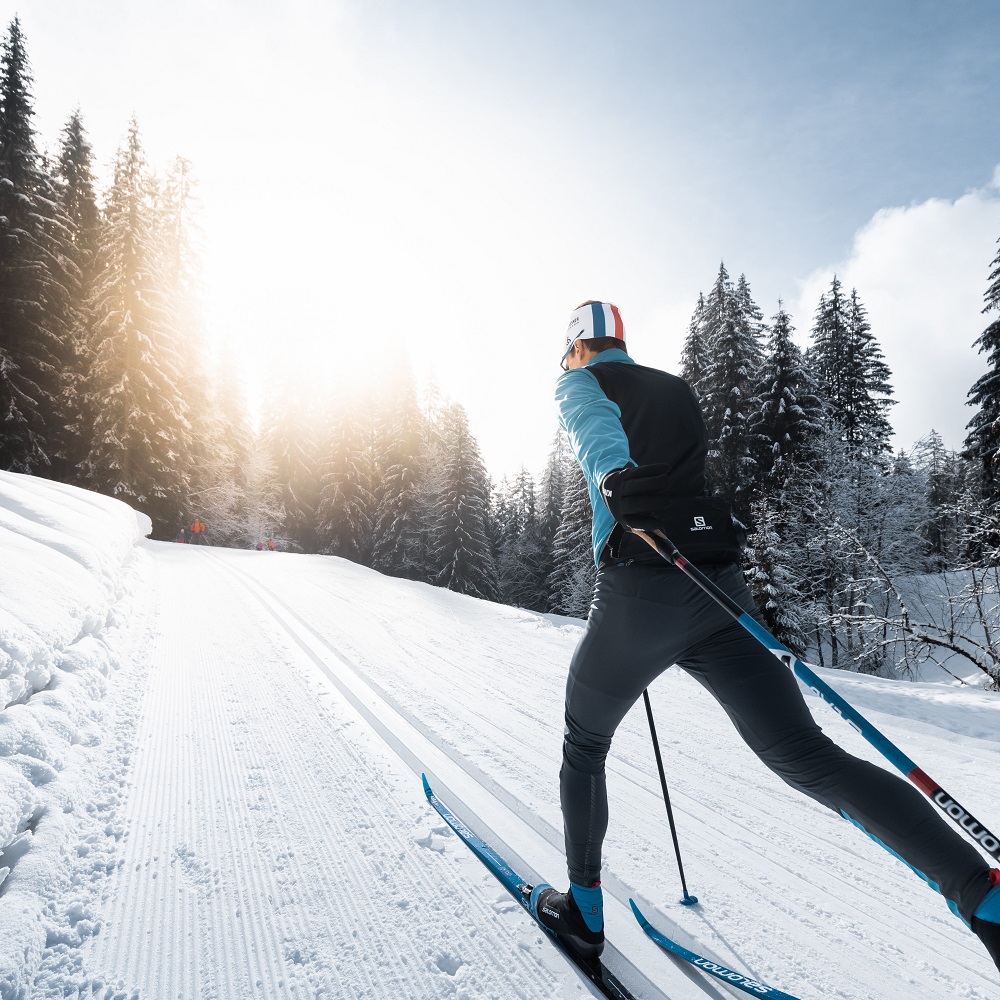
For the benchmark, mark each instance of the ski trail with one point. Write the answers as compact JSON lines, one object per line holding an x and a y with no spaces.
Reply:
{"x":265,"y":854}
{"x":416,"y":746}
{"x":752,"y":846}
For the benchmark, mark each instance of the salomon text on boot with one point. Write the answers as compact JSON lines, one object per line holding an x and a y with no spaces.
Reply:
{"x":576,"y":916}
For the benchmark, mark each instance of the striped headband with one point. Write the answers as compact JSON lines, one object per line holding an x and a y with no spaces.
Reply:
{"x":596,"y":319}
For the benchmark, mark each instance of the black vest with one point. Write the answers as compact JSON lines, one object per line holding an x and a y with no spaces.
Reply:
{"x":664,"y":424}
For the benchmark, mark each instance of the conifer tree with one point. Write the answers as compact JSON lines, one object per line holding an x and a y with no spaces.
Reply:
{"x":571,"y":582}
{"x":141,"y":430}
{"x":828,"y":352}
{"x":522,"y":557}
{"x":865,"y":416}
{"x":77,"y":195}
{"x":459,"y":489}
{"x":790,"y":412}
{"x":346,"y":501}
{"x":234,"y":495}
{"x":558,"y":468}
{"x":771,"y":578}
{"x":695,"y":354}
{"x":733,"y":335}
{"x":851,"y":373}
{"x":400,"y":434}
{"x":290,"y":432}
{"x":712,"y":319}
{"x":35,"y":272}
{"x":180,"y":270}
{"x":944,"y":478}
{"x":982,"y":445}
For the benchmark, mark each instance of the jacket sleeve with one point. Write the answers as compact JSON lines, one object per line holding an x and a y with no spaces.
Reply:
{"x":593,"y":424}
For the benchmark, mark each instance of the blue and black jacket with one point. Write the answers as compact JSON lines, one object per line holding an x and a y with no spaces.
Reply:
{"x":617,"y":413}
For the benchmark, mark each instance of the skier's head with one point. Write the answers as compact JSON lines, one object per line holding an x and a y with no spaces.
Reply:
{"x":595,"y":326}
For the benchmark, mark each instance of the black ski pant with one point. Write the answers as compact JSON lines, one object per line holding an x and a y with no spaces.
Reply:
{"x":642,"y":620}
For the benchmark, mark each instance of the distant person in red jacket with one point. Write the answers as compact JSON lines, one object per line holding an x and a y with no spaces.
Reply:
{"x":270,"y":545}
{"x":198,"y":532}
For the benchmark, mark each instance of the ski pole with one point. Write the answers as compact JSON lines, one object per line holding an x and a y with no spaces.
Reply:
{"x":957,"y":813}
{"x":688,"y":899}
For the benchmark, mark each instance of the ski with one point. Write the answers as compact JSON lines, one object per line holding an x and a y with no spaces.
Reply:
{"x":720,"y":972}
{"x":591,"y":969}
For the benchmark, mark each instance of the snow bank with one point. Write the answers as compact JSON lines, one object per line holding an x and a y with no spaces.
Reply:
{"x":68,"y":562}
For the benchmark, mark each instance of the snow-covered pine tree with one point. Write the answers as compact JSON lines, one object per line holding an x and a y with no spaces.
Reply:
{"x":290,"y":433}
{"x":184,"y":341}
{"x":500,"y":526}
{"x":715,"y":314}
{"x":571,"y":581}
{"x":141,"y":432}
{"x":458,"y":510}
{"x":77,"y":194}
{"x":521,"y":554}
{"x":789,"y":412}
{"x":770,"y":576}
{"x":261,"y":505}
{"x":554,"y":476}
{"x":233,"y":495}
{"x":346,"y":504}
{"x":866,"y":416}
{"x":851,"y":373}
{"x":944,"y":477}
{"x":35,"y":283}
{"x":695,"y":353}
{"x":399,"y":448}
{"x":733,"y":333}
{"x":827,"y":355}
{"x":982,"y":445}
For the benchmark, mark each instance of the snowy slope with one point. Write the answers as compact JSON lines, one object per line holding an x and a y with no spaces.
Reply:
{"x":244,"y":815}
{"x":67,"y":577}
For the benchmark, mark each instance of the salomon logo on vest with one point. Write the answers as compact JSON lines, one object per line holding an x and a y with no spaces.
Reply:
{"x":700,"y":524}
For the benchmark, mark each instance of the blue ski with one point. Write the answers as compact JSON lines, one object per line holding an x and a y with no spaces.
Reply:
{"x":592,"y":969}
{"x":736,"y":979}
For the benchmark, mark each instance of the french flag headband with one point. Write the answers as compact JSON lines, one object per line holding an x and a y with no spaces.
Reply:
{"x":595,"y":319}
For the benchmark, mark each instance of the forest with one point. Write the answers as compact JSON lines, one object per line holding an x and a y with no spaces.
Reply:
{"x":106,"y":382}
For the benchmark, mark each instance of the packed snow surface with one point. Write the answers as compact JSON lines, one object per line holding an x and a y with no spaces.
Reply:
{"x":210,"y":788}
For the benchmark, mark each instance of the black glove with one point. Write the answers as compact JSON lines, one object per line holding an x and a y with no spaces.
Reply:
{"x":636,"y":494}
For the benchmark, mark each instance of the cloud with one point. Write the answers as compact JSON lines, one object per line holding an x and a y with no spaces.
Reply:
{"x":922,"y":271}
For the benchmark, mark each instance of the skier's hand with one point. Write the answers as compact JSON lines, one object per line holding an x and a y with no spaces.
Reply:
{"x":635,"y":494}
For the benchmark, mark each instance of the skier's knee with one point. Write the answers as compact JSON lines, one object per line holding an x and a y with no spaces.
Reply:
{"x":585,"y":752}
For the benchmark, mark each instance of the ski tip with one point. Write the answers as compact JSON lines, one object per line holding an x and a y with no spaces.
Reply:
{"x":427,"y":787}
{"x":638,"y":913}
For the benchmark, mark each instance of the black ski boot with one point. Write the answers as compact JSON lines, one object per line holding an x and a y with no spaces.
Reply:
{"x":563,"y":913}
{"x":986,"y":920}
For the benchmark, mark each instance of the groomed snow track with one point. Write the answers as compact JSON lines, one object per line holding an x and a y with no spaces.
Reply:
{"x":265,"y":853}
{"x":252,"y":823}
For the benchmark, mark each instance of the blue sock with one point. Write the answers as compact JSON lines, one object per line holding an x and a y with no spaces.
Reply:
{"x":590,"y":900}
{"x":989,"y":908}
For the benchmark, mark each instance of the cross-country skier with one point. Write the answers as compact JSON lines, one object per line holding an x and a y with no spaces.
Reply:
{"x":639,"y":436}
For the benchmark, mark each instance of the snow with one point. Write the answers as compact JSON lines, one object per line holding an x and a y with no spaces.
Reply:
{"x":209,"y":787}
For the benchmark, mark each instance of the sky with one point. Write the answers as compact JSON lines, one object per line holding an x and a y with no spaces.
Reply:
{"x":444,"y":181}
